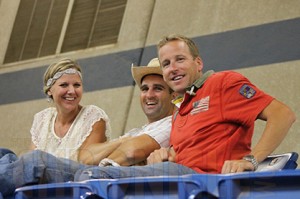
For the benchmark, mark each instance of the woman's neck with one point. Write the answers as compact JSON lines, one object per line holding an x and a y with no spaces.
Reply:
{"x":64,"y":121}
{"x":65,"y":118}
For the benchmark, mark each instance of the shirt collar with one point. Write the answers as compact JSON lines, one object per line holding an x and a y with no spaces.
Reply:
{"x":198,"y":83}
{"x":192,"y":89}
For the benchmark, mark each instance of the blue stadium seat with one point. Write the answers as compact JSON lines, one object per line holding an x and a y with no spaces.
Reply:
{"x":275,"y":176}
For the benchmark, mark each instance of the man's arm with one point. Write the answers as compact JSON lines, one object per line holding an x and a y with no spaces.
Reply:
{"x":134,"y":150}
{"x":125,"y":151}
{"x":94,"y":153}
{"x":279,"y":118}
{"x":130,"y":149}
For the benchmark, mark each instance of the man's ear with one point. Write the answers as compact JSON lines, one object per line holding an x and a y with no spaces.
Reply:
{"x":200,"y":63}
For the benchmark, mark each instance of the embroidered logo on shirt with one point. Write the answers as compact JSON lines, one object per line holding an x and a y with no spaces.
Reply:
{"x":247,"y":91}
{"x":200,"y":106}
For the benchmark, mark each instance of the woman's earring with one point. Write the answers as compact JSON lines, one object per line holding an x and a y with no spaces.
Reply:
{"x":49,"y":99}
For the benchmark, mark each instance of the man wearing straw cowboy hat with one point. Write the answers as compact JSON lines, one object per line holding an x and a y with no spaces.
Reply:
{"x":155,"y":100}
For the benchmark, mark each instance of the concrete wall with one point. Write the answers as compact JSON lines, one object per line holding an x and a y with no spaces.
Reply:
{"x":259,"y":39}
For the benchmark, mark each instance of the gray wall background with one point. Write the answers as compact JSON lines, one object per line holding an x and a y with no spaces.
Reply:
{"x":260,"y":39}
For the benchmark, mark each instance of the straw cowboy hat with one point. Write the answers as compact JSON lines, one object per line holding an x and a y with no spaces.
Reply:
{"x":138,"y":72}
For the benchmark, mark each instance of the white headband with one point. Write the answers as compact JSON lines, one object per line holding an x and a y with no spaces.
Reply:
{"x":60,"y":73}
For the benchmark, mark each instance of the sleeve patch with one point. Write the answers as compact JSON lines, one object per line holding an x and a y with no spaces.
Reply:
{"x":247,"y":91}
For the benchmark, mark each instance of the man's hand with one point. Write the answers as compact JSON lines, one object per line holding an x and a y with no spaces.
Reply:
{"x":161,"y":155}
{"x":236,"y":166}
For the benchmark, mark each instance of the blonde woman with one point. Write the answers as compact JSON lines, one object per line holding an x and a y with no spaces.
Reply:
{"x":67,"y":128}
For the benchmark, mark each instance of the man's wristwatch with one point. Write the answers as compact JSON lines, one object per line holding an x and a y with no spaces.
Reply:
{"x":251,"y":158}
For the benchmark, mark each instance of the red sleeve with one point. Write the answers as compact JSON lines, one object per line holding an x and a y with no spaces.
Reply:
{"x":242,"y":101}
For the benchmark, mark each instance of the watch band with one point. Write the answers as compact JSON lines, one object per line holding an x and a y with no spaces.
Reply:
{"x":251,"y":158}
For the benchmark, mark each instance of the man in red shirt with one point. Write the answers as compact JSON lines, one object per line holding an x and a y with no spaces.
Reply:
{"x":213,"y":128}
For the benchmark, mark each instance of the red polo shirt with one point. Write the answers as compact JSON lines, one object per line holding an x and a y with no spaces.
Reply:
{"x":217,"y":123}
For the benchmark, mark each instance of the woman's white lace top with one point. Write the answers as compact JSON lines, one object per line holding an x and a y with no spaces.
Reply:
{"x":44,"y":137}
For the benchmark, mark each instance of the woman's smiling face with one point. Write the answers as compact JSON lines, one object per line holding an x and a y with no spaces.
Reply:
{"x":67,"y":91}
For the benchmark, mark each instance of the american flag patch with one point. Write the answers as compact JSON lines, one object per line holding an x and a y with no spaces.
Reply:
{"x":200,"y":106}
